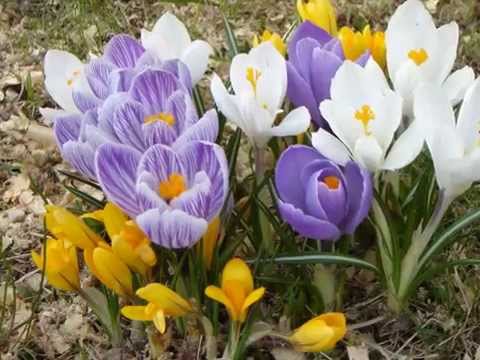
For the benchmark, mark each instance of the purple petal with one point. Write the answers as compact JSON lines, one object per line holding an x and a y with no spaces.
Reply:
{"x":287,"y":173}
{"x":203,"y":156}
{"x":195,"y":201}
{"x":307,"y":225}
{"x":324,"y":67}
{"x":98,"y":77}
{"x":121,"y":80}
{"x":85,"y":102}
{"x":205,"y":129}
{"x":147,"y":197}
{"x":362,"y":60}
{"x":81,"y":156}
{"x":307,"y":30}
{"x":158,"y":132}
{"x":360,"y":195}
{"x":107,"y":111}
{"x":303,"y":63}
{"x":123,"y":51}
{"x":180,"y":70}
{"x":161,"y":161}
{"x":335,"y":46}
{"x":172,"y":229}
{"x":127,"y":124}
{"x":67,"y":127}
{"x":176,"y":105}
{"x":300,"y":93}
{"x":116,"y":167}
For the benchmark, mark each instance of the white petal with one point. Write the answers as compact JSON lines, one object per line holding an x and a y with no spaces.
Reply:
{"x":225,"y":101}
{"x":59,"y":68}
{"x":447,"y":51}
{"x":406,"y":81}
{"x":406,"y":148}
{"x":368,"y":153}
{"x":164,"y":48}
{"x":296,"y":122}
{"x":238,"y":74}
{"x":173,"y":29}
{"x":340,"y":118}
{"x":388,"y":116}
{"x":457,"y":83}
{"x":469,"y":116}
{"x":196,"y":58}
{"x":376,"y":74}
{"x":330,"y":147}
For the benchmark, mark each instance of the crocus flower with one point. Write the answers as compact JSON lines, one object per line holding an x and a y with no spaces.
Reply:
{"x":318,"y":198}
{"x":162,"y":303}
{"x":320,"y":12}
{"x":259,"y":80}
{"x":169,"y":39}
{"x":419,"y":52}
{"x":314,"y":58}
{"x":171,"y":194}
{"x":157,"y":109}
{"x":320,"y":333}
{"x":129,"y":243}
{"x":274,"y":38}
{"x":61,"y":268}
{"x":237,"y":292}
{"x":355,"y":43}
{"x":457,"y":162}
{"x":364,"y":113}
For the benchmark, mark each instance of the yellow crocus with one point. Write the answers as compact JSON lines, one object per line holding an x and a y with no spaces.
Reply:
{"x":354,"y":44}
{"x":320,"y":333}
{"x":236,"y":293}
{"x":162,"y":302}
{"x":129,"y":243}
{"x":272,"y":37}
{"x":209,"y":241}
{"x":65,"y":225}
{"x":320,"y":12}
{"x":109,"y":269}
{"x":61,"y":268}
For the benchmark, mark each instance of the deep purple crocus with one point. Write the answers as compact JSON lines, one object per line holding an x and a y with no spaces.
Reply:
{"x":314,"y":58}
{"x":318,"y":198}
{"x":156,"y":109}
{"x":172,"y":194}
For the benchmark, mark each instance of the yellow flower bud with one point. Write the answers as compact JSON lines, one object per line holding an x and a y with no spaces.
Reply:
{"x":61,"y":268}
{"x":319,"y":12}
{"x":236,"y":293}
{"x":274,"y":38}
{"x":355,"y":44}
{"x":320,"y":333}
{"x":209,"y":241}
{"x":162,"y":302}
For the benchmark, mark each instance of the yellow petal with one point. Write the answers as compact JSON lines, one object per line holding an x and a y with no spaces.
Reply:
{"x":251,"y":299}
{"x":146,"y":253}
{"x":96,"y":215}
{"x":114,"y":219}
{"x":237,"y":270}
{"x":113,"y":272}
{"x":217,"y":294}
{"x":159,"y":321}
{"x":165,"y":298}
{"x":319,"y":12}
{"x":209,"y":241}
{"x":136,"y":313}
{"x":124,"y":251}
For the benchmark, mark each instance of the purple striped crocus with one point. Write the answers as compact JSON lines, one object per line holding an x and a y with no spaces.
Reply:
{"x":314,"y":58}
{"x":173,"y":194}
{"x":317,"y":197}
{"x":156,"y":109}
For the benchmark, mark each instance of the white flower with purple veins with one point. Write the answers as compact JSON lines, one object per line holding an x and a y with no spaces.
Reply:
{"x":172,"y":194}
{"x":418,"y":52}
{"x":169,"y":39}
{"x":157,"y":109}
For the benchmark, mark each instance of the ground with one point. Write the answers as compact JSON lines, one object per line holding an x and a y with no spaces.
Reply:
{"x":444,"y":322}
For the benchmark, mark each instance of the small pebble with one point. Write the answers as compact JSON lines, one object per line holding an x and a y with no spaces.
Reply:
{"x":16,"y":215}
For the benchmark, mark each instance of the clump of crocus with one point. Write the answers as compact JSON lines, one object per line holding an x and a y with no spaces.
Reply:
{"x":162,"y":302}
{"x":236,"y":292}
{"x":320,"y":333}
{"x":320,"y":12}
{"x":61,"y":267}
{"x":319,"y":198}
{"x":355,"y":43}
{"x":274,"y":38}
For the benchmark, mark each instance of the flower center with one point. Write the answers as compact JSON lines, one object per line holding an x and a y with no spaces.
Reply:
{"x":365,"y":114}
{"x":252,"y":76}
{"x":418,"y":56}
{"x":332,"y":182}
{"x":75,"y":76}
{"x":172,"y":187}
{"x":167,"y":118}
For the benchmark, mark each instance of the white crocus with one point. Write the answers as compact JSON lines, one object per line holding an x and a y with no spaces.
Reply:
{"x":418,"y":52}
{"x":63,"y":74}
{"x":169,"y":39}
{"x":364,"y":114}
{"x":259,"y":82}
{"x":454,"y":145}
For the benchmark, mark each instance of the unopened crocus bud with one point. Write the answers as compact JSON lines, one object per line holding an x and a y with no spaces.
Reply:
{"x":355,"y":44}
{"x":272,"y":37}
{"x":320,"y":12}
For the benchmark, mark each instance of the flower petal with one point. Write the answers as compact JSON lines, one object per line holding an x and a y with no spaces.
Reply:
{"x":295,"y":123}
{"x":330,"y":147}
{"x":123,"y":51}
{"x":172,"y":303}
{"x":161,"y":161}
{"x":251,"y":299}
{"x":136,"y":313}
{"x":217,"y":294}
{"x":196,"y":57}
{"x":457,"y":84}
{"x":406,"y":148}
{"x":81,"y":156}
{"x":205,"y":129}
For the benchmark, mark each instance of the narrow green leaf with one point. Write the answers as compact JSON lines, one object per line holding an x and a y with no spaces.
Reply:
{"x":79,"y":178}
{"x":231,"y":39}
{"x":84,"y":196}
{"x":200,"y":105}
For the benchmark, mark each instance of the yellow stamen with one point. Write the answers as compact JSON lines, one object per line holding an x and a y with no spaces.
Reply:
{"x":418,"y":56}
{"x":171,"y":188}
{"x":252,"y":76}
{"x":332,"y":182}
{"x":69,"y":82}
{"x":167,"y":118}
{"x":365,"y":114}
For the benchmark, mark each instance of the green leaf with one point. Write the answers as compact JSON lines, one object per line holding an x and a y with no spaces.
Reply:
{"x":231,"y":39}
{"x":197,"y":97}
{"x":448,"y":237}
{"x":322,"y":258}
{"x":79,"y":178}
{"x":86,"y":197}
